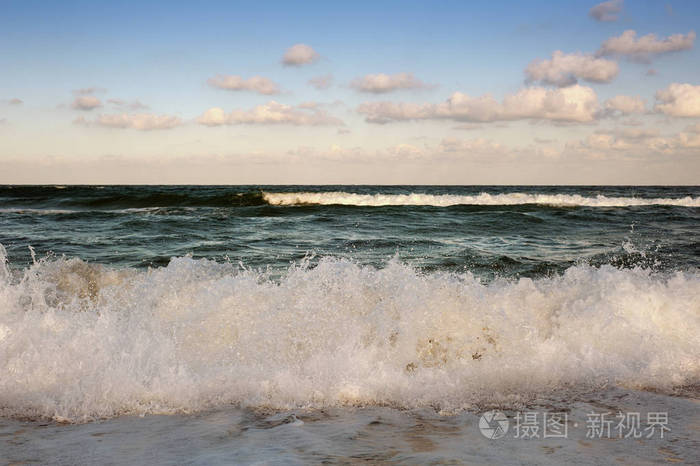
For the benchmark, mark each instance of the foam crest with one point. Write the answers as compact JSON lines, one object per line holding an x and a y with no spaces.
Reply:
{"x":80,"y":341}
{"x":445,"y":200}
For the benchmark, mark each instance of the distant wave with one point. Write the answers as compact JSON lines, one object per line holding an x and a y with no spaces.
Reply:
{"x":170,"y":199}
{"x":95,"y":198}
{"x":80,"y":341}
{"x":24,"y":198}
{"x":445,"y":200}
{"x":37,"y":211}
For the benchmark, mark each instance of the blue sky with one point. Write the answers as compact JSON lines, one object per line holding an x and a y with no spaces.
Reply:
{"x":162,"y":54}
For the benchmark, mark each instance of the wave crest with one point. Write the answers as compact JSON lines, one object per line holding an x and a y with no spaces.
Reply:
{"x":446,"y":200}
{"x":79,"y":342}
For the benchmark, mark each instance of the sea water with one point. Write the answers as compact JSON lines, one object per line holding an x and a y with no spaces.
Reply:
{"x":310,"y":323}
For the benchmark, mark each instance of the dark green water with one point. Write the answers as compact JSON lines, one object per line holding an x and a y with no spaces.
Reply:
{"x":141,"y":226}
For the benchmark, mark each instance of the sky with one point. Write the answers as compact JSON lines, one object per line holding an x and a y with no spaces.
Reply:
{"x":440,"y":92}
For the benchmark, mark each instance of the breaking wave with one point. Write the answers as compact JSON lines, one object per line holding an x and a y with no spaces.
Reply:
{"x":445,"y":200}
{"x":33,"y":199}
{"x":80,"y":341}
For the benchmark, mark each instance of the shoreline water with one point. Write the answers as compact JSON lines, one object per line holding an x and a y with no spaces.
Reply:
{"x":366,"y":434}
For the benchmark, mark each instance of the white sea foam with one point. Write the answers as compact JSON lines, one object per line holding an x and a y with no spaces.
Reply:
{"x":444,"y":200}
{"x":81,"y":341}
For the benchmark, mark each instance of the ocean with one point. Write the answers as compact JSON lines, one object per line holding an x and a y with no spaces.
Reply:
{"x":297,"y":324}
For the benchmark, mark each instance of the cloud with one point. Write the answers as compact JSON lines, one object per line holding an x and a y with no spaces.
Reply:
{"x":89,"y":91}
{"x":86,"y":102}
{"x":270,"y":114}
{"x":138,"y":121}
{"x":257,"y":84}
{"x":467,"y":146}
{"x":643,"y":48}
{"x":693,"y":128}
{"x":298,"y":55}
{"x":606,"y":11}
{"x":605,"y":142}
{"x":631,"y":122}
{"x":309,"y":105}
{"x":405,"y":151}
{"x":626,"y":104}
{"x":634,"y":143}
{"x":679,"y":100}
{"x":607,"y":145}
{"x":690,"y":137}
{"x":468,"y":127}
{"x":133,"y":105}
{"x":565,"y":69}
{"x":570,"y":104}
{"x":382,"y":83}
{"x":449,"y":148}
{"x":631,"y":133}
{"x":321,"y":82}
{"x":333,"y":153}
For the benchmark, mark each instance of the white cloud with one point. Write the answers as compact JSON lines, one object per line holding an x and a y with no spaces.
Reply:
{"x":643,"y":48}
{"x":405,"y":151}
{"x":257,"y":84}
{"x":693,"y":128}
{"x":574,"y":104}
{"x":321,"y":82}
{"x":298,"y":55}
{"x":481,"y":150}
{"x":309,"y":105}
{"x":679,"y":100}
{"x":631,"y":133}
{"x":382,"y":83}
{"x":631,"y":122}
{"x":468,"y":127}
{"x":446,"y":149}
{"x":139,"y":121}
{"x":565,"y":69}
{"x":86,"y":102}
{"x":626,"y":104}
{"x":133,"y":105}
{"x":334,"y":152}
{"x":633,"y":143}
{"x":471,"y":146}
{"x":690,"y":137}
{"x":398,"y":152}
{"x":270,"y":113}
{"x":606,"y":11}
{"x":89,"y":91}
